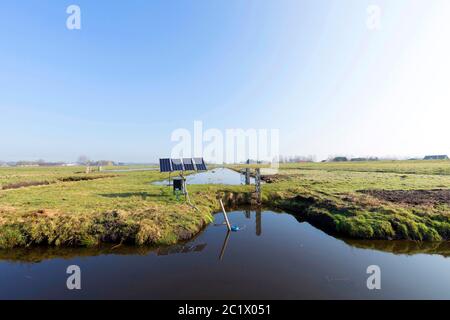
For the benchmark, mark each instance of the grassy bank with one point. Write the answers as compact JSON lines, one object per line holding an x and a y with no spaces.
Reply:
{"x":124,"y":207}
{"x":357,"y":203}
{"x":120,"y":208}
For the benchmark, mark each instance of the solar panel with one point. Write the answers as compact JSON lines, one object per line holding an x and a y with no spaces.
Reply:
{"x":188,"y":164}
{"x":165,"y":165}
{"x":177,"y":165}
{"x":185,"y":164}
{"x":200,"y":164}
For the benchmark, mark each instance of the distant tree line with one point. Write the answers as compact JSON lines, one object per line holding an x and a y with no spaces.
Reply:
{"x":85,"y":161}
{"x":297,"y":159}
{"x":345,"y":159}
{"x":43,"y":163}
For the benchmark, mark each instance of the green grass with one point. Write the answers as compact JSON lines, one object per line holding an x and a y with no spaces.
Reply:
{"x":125,"y":207}
{"x":403,"y":167}
{"x":336,"y":205}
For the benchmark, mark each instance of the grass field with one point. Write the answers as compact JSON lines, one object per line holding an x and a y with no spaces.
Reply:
{"x":335,"y":198}
{"x":368,"y":200}
{"x":109,"y":207}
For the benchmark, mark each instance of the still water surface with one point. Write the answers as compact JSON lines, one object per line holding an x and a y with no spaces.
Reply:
{"x":223,"y":176}
{"x":274,"y":256}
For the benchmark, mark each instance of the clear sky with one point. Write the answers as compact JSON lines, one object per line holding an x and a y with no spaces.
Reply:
{"x":137,"y":70}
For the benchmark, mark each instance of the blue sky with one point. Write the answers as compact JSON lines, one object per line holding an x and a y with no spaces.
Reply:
{"x":138,"y":70}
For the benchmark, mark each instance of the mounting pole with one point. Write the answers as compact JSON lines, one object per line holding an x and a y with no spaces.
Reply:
{"x":247,"y":176}
{"x":258,"y":184}
{"x":225,"y":215}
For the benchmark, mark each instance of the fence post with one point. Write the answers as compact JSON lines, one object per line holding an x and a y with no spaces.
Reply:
{"x":258,"y":184}
{"x":247,"y":176}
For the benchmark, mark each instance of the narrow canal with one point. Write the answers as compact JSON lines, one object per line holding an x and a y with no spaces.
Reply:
{"x":273,"y":256}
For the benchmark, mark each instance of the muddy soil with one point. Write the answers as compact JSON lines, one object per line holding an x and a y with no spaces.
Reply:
{"x":272,"y":178}
{"x":412,"y":197}
{"x":24,"y":184}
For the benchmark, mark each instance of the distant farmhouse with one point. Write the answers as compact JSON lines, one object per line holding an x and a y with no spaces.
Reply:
{"x":438,"y":157}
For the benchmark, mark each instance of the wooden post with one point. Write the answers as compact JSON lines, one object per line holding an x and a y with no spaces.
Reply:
{"x":258,"y":184}
{"x":225,"y":215}
{"x":247,"y":176}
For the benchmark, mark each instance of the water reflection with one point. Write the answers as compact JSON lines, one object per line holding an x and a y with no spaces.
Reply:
{"x":180,"y":249}
{"x":247,"y":215}
{"x":222,"y":176}
{"x":224,"y":246}
{"x":403,"y":247}
{"x":39,"y":254}
{"x":258,"y":222}
{"x":258,"y":219}
{"x":288,"y":259}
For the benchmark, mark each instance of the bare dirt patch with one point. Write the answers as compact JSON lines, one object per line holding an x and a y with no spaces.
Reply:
{"x":48,"y":213}
{"x":24,"y":184}
{"x":272,"y":178}
{"x":412,"y":197}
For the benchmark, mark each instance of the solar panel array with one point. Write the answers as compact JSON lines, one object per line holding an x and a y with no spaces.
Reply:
{"x":177,"y":165}
{"x":185,"y":164}
{"x":165,"y":165}
{"x":200,"y":164}
{"x":188,"y":164}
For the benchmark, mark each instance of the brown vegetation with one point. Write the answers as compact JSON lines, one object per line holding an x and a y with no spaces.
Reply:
{"x":412,"y":197}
